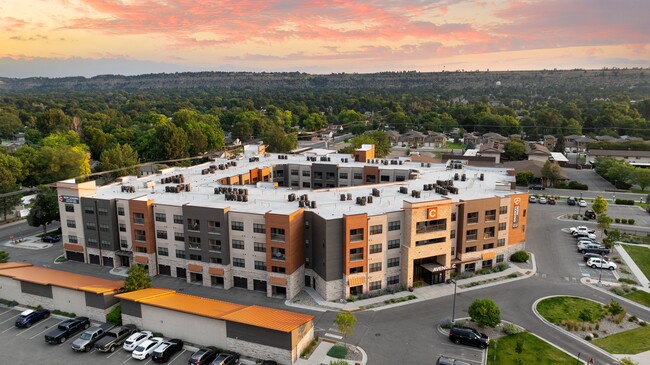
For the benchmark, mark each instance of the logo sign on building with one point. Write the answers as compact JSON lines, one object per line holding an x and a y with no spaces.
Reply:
{"x":432,"y":213}
{"x":515,"y":213}
{"x":443,"y":268}
{"x":68,"y":199}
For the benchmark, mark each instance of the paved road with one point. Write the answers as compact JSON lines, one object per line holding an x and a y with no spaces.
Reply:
{"x":589,"y":177}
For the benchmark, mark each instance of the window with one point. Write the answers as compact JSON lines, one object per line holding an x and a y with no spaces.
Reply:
{"x":502,"y":226}
{"x":277,"y":234}
{"x":238,"y":244}
{"x":294,"y":172}
{"x":102,"y":211}
{"x":161,"y":217}
{"x":356,"y":270}
{"x":356,"y":254}
{"x":470,"y":267}
{"x":471,"y":235}
{"x":343,"y":175}
{"x":376,"y":229}
{"x":306,"y":184}
{"x":140,"y":235}
{"x":215,"y":260}
{"x":394,"y":226}
{"x":453,"y":217}
{"x":453,"y":251}
{"x":122,"y":227}
{"x":400,"y":178}
{"x":195,"y":257}
{"x":178,"y":236}
{"x":178,"y":219}
{"x":486,"y":263}
{"x":393,"y":244}
{"x":488,"y":232}
{"x":503,"y":209}
{"x":375,"y":285}
{"x":69,"y":208}
{"x":452,"y":234}
{"x":71,"y":223}
{"x":91,"y":226}
{"x":356,"y":234}
{"x":260,"y":265}
{"x":180,"y":254}
{"x":259,"y":246}
{"x":163,"y":251}
{"x":91,"y":242}
{"x":392,"y":280}
{"x":120,"y":211}
{"x":194,"y":243}
{"x":124,"y":244}
{"x":470,"y":249}
{"x":161,"y":233}
{"x":306,"y":173}
{"x":278,"y":269}
{"x":357,"y":176}
{"x":490,"y":215}
{"x":141,"y":249}
{"x":375,"y":248}
{"x":374,"y":267}
{"x":259,"y":228}
{"x":488,"y":246}
{"x":430,"y":241}
{"x":501,"y":242}
{"x":294,"y":183}
{"x":103,"y":227}
{"x":89,"y":210}
{"x":215,"y":245}
{"x":237,"y":226}
{"x":193,"y":224}
{"x":277,"y":254}
{"x":73,"y":239}
{"x":472,"y":217}
{"x":329,"y":175}
{"x":106,"y":244}
{"x":384,"y":178}
{"x":499,"y":259}
{"x":138,"y":218}
{"x":237,"y":262}
{"x":436,"y":225}
{"x":523,"y":228}
{"x":214,"y":226}
{"x":524,"y":213}
{"x":393,"y":262}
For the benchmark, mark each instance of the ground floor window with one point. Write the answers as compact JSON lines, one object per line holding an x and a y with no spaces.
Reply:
{"x":356,"y":290}
{"x":196,"y":278}
{"x":375,"y":285}
{"x":393,"y":280}
{"x":470,"y":267}
{"x":499,"y":259}
{"x":486,"y":263}
{"x":216,"y":281}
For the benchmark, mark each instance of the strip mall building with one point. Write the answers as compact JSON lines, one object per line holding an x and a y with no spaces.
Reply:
{"x":343,"y":225}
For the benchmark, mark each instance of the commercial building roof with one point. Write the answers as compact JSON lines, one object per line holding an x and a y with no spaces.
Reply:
{"x":271,"y":318}
{"x":44,"y":276}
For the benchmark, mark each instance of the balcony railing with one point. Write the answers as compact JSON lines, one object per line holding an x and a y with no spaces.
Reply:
{"x":277,"y":237}
{"x":356,"y":237}
{"x":138,"y":220}
{"x":356,"y":257}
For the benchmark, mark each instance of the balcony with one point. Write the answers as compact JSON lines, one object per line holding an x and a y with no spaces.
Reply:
{"x":356,"y":237}
{"x":277,"y":237}
{"x":278,"y":255}
{"x":356,"y":257}
{"x":138,"y":220}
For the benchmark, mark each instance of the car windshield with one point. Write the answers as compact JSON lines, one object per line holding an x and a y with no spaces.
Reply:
{"x":139,"y":348}
{"x":86,"y":336}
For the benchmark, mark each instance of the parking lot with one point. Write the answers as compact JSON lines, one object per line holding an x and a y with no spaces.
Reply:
{"x":469,"y":354}
{"x":584,"y":270}
{"x":17,"y":343}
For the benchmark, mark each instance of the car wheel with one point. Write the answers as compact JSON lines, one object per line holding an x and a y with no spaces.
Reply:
{"x":111,"y":349}
{"x":62,"y":340}
{"x":457,"y":341}
{"x":593,"y":266}
{"x":28,"y":325}
{"x":47,"y":315}
{"x":86,"y":326}
{"x":583,"y":252}
{"x":611,"y":268}
{"x":483,"y":346}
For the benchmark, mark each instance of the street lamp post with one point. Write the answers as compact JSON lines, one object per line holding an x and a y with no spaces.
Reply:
{"x":600,"y":274}
{"x":580,"y":207}
{"x":453,"y":307}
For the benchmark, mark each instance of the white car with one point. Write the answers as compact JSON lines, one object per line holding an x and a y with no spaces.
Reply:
{"x":572,"y":230}
{"x":145,"y":349}
{"x":582,"y":235}
{"x":597,"y":262}
{"x":582,"y":203}
{"x":135,"y":339}
{"x":542,"y":200}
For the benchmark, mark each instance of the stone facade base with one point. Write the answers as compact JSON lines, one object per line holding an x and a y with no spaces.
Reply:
{"x":258,"y":351}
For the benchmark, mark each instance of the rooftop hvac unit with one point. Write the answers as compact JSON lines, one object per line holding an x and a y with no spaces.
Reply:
{"x":425,"y":187}
{"x":431,"y":186}
{"x":370,"y":199}
{"x":216,"y":191}
{"x":233,"y":163}
{"x":456,"y":177}
{"x":375,"y":192}
{"x":342,"y":197}
{"x":363,"y":201}
{"x":239,"y":198}
{"x":301,"y":204}
{"x":401,"y":162}
{"x":187,"y":188}
{"x":482,"y":177}
{"x":349,"y":196}
{"x":292,"y":197}
{"x":358,"y":200}
{"x":393,"y":162}
{"x":404,"y":190}
{"x":244,"y":198}
{"x":463,"y":177}
{"x":313,"y":204}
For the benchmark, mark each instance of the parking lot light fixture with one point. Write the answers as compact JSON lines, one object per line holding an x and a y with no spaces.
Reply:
{"x":579,"y":206}
{"x":453,"y":306}
{"x":600,"y":274}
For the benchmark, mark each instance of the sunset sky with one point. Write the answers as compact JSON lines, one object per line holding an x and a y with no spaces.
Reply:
{"x":91,"y":37}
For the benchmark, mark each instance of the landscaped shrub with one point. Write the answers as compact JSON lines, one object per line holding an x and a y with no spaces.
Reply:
{"x":115,"y":316}
{"x":614,"y":308}
{"x":624,"y":220}
{"x":577,"y":186}
{"x":617,"y":220}
{"x":588,"y":337}
{"x":587,"y":315}
{"x":630,"y":221}
{"x":65,"y":314}
{"x":339,"y":362}
{"x":627,"y":281}
{"x":512,"y":275}
{"x":337,"y":352}
{"x":643,"y":324}
{"x":633,"y":319}
{"x":310,"y":348}
{"x":595,"y":335}
{"x":511,"y":329}
{"x":519,"y":256}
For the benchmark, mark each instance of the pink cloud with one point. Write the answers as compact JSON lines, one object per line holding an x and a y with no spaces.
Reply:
{"x":12,"y":24}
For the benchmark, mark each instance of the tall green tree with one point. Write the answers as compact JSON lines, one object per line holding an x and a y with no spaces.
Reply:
{"x":315,"y":122}
{"x":514,"y":150}
{"x":278,"y":140}
{"x":641,"y":177}
{"x":599,"y":205}
{"x":53,"y":120}
{"x":551,"y":172}
{"x":4,"y":257}
{"x":604,"y":222}
{"x":378,"y":138}
{"x":137,"y":278}
{"x":171,"y":142}
{"x":45,"y":209}
{"x":119,"y":156}
{"x":10,"y":124}
{"x":345,"y":322}
{"x":485,"y":312}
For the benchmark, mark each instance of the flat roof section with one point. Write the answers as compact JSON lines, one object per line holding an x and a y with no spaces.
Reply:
{"x":44,"y":276}
{"x":275,"y":319}
{"x":170,"y":299}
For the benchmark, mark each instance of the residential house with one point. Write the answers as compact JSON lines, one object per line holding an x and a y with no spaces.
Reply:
{"x":492,"y":149}
{"x":496,"y":137}
{"x":473,"y":138}
{"x":576,"y":143}
{"x":550,"y":141}
{"x":515,"y":137}
{"x":393,"y":137}
{"x":537,"y":151}
{"x":435,"y":139}
{"x":534,"y":166}
{"x":412,"y":137}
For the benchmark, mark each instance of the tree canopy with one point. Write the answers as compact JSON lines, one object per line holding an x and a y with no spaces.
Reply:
{"x":137,"y":278}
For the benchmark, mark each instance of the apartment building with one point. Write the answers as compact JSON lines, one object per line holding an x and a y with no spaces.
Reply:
{"x":276,"y":223}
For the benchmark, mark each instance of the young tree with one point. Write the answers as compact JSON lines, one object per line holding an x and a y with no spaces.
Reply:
{"x":119,"y":156}
{"x":138,"y":278}
{"x":604,"y":222}
{"x":600,"y":205}
{"x":4,"y":257}
{"x":345,"y":322}
{"x":45,"y":209}
{"x":524,"y":177}
{"x":514,"y":150}
{"x":485,"y":312}
{"x":641,"y":177}
{"x":551,"y":172}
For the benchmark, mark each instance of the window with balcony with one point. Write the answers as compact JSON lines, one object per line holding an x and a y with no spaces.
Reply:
{"x":214,"y":226}
{"x":215,"y":245}
{"x":238,"y":244}
{"x":277,"y":234}
{"x":69,"y":208}
{"x":502,"y":226}
{"x":193,"y":225}
{"x":237,"y":226}
{"x":277,"y":254}
{"x":394,"y":226}
{"x":375,"y":248}
{"x":178,"y":236}
{"x":490,"y":215}
{"x":160,"y":217}
{"x":488,"y":232}
{"x":180,"y":254}
{"x":472,"y":217}
{"x":377,"y":229}
{"x":163,"y":251}
{"x":140,"y":235}
{"x":392,"y":262}
{"x":356,"y":254}
{"x":471,"y":235}
{"x":194,"y":243}
{"x":237,"y":262}
{"x":356,"y":235}
{"x":120,"y":211}
{"x":89,"y":210}
{"x":178,"y":219}
{"x":259,"y":228}
{"x":374,"y":267}
{"x":91,"y":226}
{"x":503,"y":209}
{"x":259,"y":246}
{"x":138,"y":218}
{"x":435,"y":225}
{"x":161,"y":233}
{"x":392,"y":244}
{"x":71,"y":223}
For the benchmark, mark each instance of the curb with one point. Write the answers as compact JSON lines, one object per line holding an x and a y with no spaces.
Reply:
{"x":618,"y":297}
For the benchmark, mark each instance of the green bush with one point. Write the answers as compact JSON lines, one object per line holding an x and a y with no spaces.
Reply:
{"x":115,"y":316}
{"x":588,"y":337}
{"x":337,"y":352}
{"x":627,"y":281}
{"x":338,"y":362}
{"x":643,"y":324}
{"x":586,"y":315}
{"x":65,"y":314}
{"x":624,"y":220}
{"x":158,"y":334}
{"x":519,"y":256}
{"x":630,"y":221}
{"x":617,"y":220}
{"x":485,"y":312}
{"x":511,"y":329}
{"x":633,"y":319}
{"x":577,"y":186}
{"x":512,"y":275}
{"x":8,"y":303}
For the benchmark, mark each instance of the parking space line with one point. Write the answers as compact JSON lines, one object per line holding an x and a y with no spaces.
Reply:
{"x":177,"y":356}
{"x":117,"y":350}
{"x":130,"y":357}
{"x":38,"y":334}
{"x":8,"y":310}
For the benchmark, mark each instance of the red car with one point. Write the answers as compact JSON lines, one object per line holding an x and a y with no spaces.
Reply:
{"x":551,"y":201}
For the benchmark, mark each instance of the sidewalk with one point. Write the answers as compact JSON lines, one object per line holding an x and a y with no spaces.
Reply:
{"x":319,"y":356}
{"x":631,"y":264}
{"x":29,"y":243}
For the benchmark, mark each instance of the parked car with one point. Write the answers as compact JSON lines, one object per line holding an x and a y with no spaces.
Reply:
{"x":51,"y":239}
{"x":536,"y":187}
{"x":468,"y":336}
{"x":444,"y":360}
{"x":573,"y":230}
{"x":571,"y":201}
{"x":29,"y":317}
{"x":551,"y":201}
{"x":532,"y":199}
{"x":203,"y":356}
{"x":87,"y":340}
{"x":590,"y":214}
{"x":114,"y":338}
{"x":135,"y":339}
{"x":67,"y":329}
{"x":146,"y":348}
{"x":269,"y":362}
{"x":226,"y":359}
{"x":598,"y":251}
{"x":597,"y":262}
{"x":589,"y":255}
{"x":542,"y":200}
{"x":580,"y":235}
{"x":166,"y":350}
{"x":583,"y":247}
{"x":582,"y":203}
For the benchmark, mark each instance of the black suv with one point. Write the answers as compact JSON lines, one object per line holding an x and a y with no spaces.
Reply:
{"x":571,"y":201}
{"x":203,"y":356}
{"x":468,"y":336}
{"x":166,"y":350}
{"x":536,"y":187}
{"x":226,"y":359}
{"x":590,"y":214}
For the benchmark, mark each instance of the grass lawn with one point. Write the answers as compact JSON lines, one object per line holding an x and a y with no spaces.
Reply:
{"x":640,"y":297}
{"x":558,"y":309}
{"x":535,"y":351}
{"x":455,"y":146}
{"x":641,"y":257}
{"x":629,"y":342}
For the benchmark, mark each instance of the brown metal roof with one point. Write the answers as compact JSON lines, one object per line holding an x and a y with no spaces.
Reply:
{"x":275,"y":319}
{"x":44,"y":276}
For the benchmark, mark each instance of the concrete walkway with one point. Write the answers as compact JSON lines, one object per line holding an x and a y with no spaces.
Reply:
{"x":632,"y":265}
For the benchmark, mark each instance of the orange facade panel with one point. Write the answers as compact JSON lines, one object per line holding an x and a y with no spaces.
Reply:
{"x":215,"y":271}
{"x":73,"y":247}
{"x":354,"y":281}
{"x":274,"y":319}
{"x":277,"y":281}
{"x":141,"y":259}
{"x":488,"y":256}
{"x":517,"y":219}
{"x":194,"y":268}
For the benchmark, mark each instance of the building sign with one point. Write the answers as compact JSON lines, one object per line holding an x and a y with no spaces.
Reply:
{"x":443,"y":268}
{"x":68,"y":199}
{"x":432,"y":213}
{"x":515,"y":213}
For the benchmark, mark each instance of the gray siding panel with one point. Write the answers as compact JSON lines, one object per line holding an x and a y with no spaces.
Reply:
{"x":36,"y":289}
{"x":131,"y":308}
{"x":327,"y":247}
{"x":205,"y":214}
{"x":262,"y":336}
{"x":95,"y":300}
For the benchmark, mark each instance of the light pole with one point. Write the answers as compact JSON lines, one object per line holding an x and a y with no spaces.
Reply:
{"x":600,"y":274}
{"x":579,"y":206}
{"x":453,"y":307}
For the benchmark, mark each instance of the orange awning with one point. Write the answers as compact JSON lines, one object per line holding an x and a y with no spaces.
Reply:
{"x":488,"y":255}
{"x":359,"y":280}
{"x":215,"y":271}
{"x":278,"y":281}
